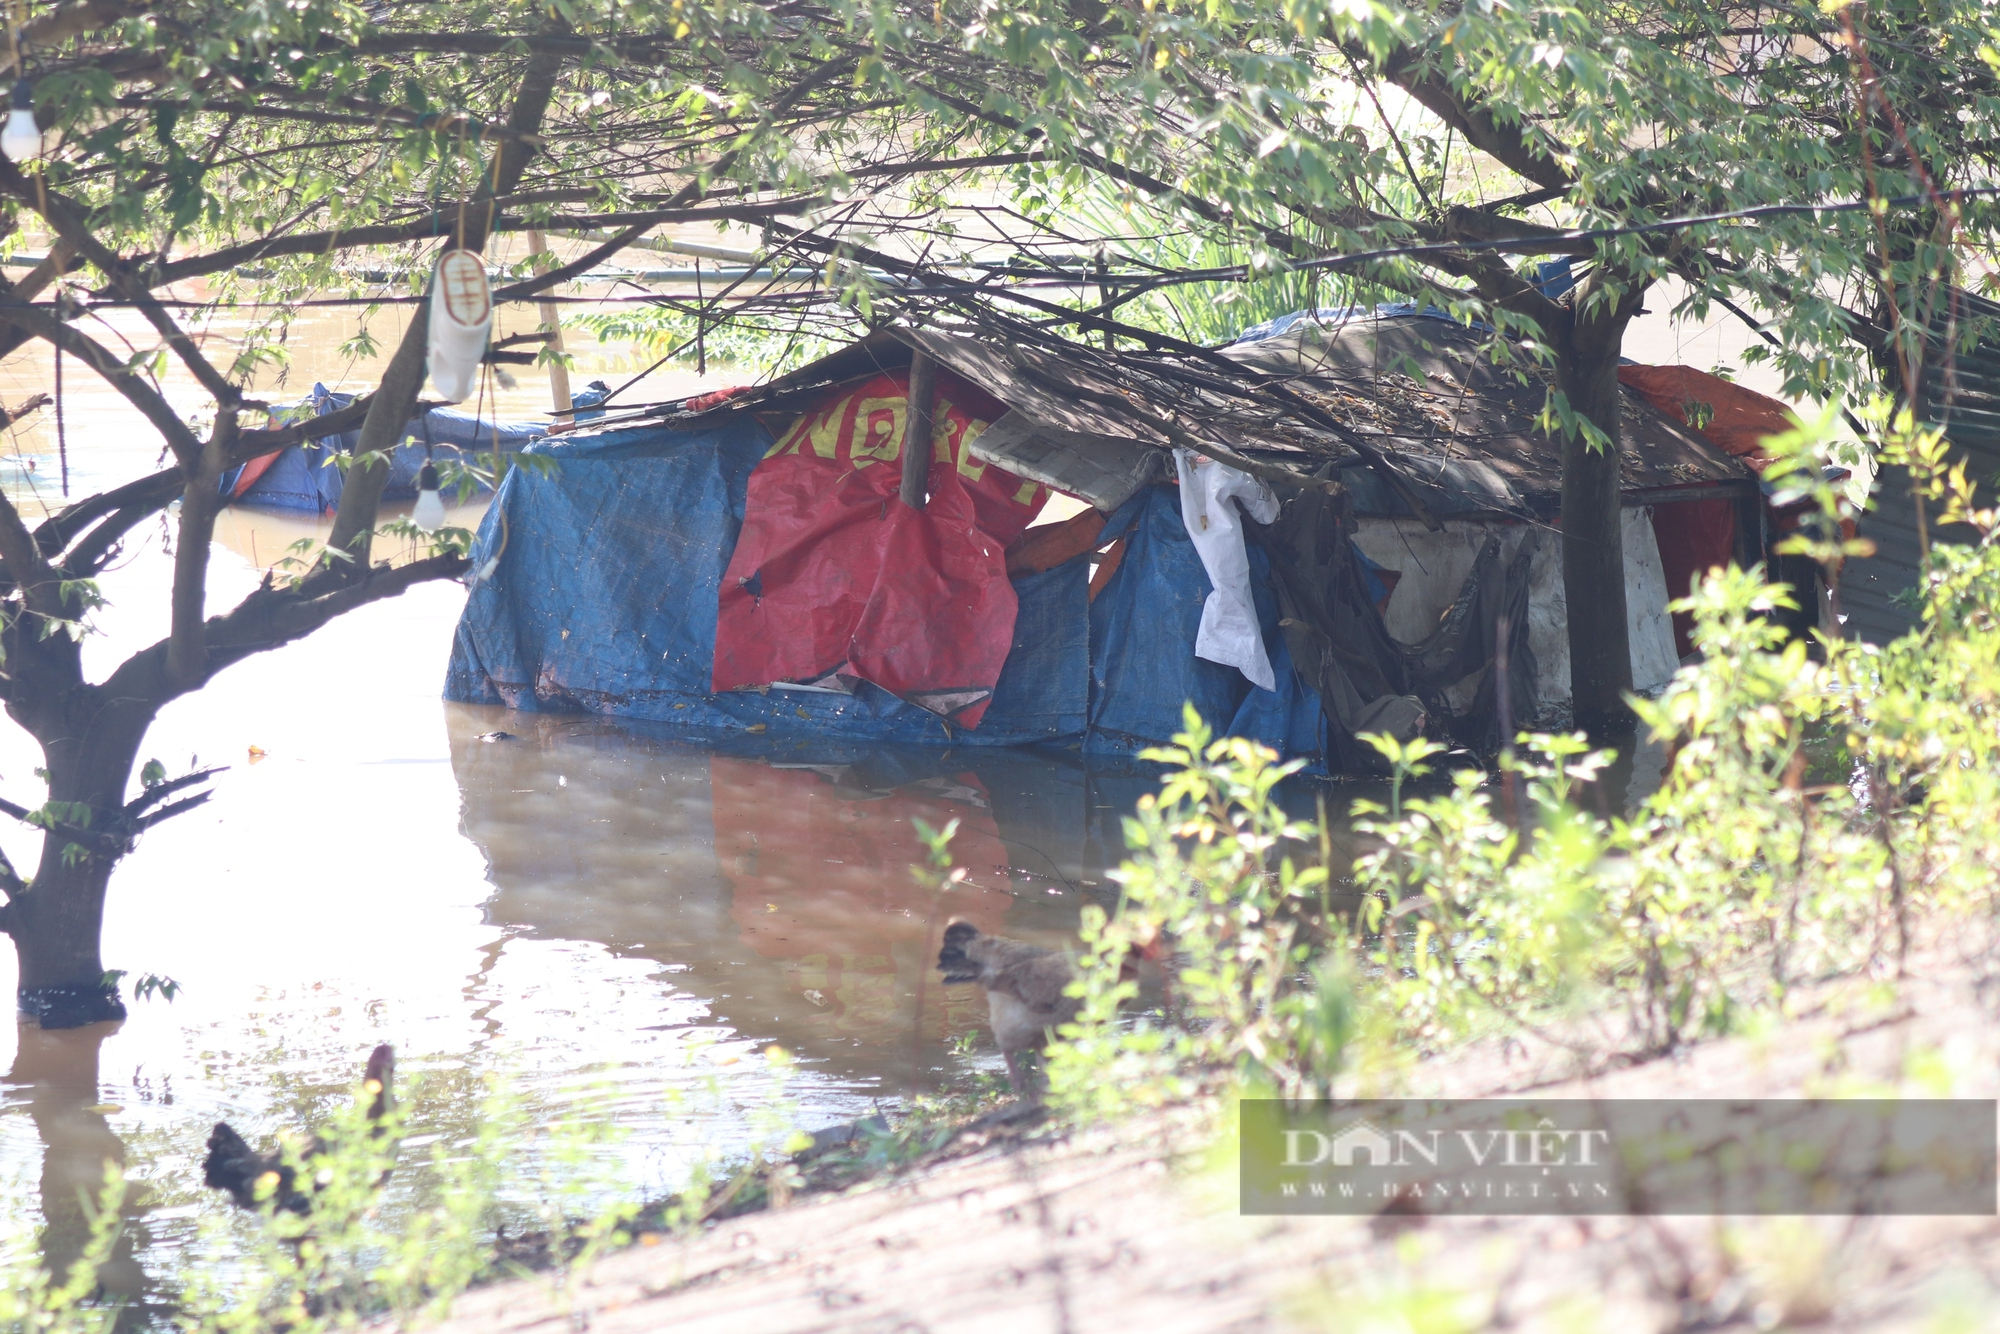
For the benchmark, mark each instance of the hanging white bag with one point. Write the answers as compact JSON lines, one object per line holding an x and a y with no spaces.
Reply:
{"x":461,"y":318}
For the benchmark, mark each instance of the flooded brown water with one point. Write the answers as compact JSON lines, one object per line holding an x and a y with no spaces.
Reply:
{"x":615,"y":923}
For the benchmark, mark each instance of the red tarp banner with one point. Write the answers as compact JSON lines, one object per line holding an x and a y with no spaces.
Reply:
{"x":1695,"y":536}
{"x":834,"y":574}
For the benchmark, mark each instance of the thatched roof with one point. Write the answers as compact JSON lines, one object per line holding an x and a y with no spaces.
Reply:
{"x":1389,"y":403}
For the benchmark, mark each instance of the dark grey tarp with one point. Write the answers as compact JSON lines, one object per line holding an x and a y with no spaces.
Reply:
{"x":1367,"y":680}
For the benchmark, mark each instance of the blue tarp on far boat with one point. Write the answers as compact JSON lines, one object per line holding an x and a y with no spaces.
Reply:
{"x":306,"y":477}
{"x":603,"y":601}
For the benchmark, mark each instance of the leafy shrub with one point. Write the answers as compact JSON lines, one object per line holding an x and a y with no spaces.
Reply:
{"x":1208,"y":873}
{"x":34,"y":1301}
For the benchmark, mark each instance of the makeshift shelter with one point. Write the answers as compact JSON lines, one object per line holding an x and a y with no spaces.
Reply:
{"x":754,"y":564}
{"x":306,"y":478}
{"x":1959,"y":392}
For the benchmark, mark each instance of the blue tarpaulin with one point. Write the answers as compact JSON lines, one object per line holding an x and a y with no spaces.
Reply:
{"x":1142,"y":633}
{"x":1334,"y":317}
{"x":603,"y":601}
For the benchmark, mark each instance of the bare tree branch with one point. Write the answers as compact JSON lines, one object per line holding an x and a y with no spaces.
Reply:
{"x":1204,"y":209}
{"x":180,"y":807}
{"x":441,"y":222}
{"x":65,"y":223}
{"x":160,"y":791}
{"x":59,"y":261}
{"x":200,"y":499}
{"x":25,"y":565}
{"x":129,"y":504}
{"x":272,"y":615}
{"x":1520,"y":147}
{"x":65,"y":22}
{"x":42,"y":323}
{"x":95,"y":839}
{"x":11,"y":885}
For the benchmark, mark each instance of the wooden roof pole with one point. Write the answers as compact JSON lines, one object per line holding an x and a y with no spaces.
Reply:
{"x":917,"y":426}
{"x":552,"y":326}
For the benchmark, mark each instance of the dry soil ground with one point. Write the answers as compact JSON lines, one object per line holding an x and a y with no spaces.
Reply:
{"x":1136,"y":1228}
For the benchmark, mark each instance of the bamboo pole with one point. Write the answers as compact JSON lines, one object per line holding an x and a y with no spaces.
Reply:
{"x":552,"y":325}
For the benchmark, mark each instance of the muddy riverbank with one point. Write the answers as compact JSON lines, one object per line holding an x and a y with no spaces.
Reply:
{"x":1136,"y":1226}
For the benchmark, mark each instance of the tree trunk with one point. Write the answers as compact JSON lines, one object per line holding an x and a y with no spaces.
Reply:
{"x":57,"y":923}
{"x":381,"y":431}
{"x":396,"y":397}
{"x":1600,"y":650}
{"x":56,"y":927}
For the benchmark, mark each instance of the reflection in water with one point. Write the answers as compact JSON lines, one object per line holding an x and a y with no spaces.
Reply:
{"x":55,"y":1075}
{"x":778,"y":890}
{"x":598,"y":952}
{"x":616,"y":922}
{"x":812,"y":869}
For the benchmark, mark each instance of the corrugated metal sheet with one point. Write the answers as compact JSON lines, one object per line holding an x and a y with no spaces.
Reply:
{"x":1962,"y":394}
{"x":1103,"y":470}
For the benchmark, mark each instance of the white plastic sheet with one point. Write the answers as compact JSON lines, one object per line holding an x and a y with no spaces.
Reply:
{"x":1229,"y":633}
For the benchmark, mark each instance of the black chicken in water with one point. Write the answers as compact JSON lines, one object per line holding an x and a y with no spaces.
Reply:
{"x":234,"y":1166}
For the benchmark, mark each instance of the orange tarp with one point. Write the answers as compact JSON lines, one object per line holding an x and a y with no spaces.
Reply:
{"x":1048,"y":545}
{"x":1738,"y":419}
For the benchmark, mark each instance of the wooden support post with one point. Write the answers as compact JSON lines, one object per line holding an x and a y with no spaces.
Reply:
{"x":1751,"y":539}
{"x":917,"y":430}
{"x":552,"y":325}
{"x":1104,"y":298}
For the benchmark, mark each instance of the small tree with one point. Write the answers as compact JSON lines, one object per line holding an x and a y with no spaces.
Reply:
{"x":198,"y":140}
